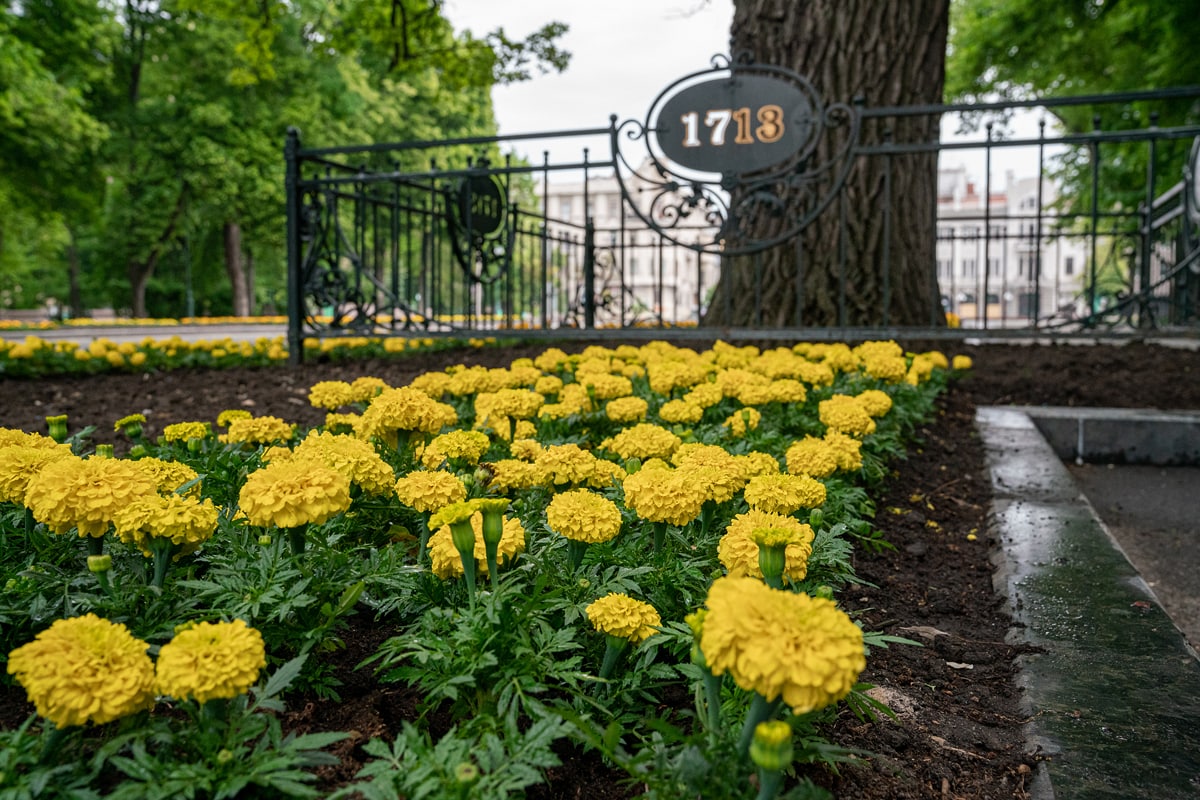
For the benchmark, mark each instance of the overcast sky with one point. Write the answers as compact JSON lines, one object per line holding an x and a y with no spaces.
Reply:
{"x":623,"y":53}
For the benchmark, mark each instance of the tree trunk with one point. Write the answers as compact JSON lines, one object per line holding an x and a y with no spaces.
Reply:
{"x":235,"y":269}
{"x":250,"y":302}
{"x":140,"y":273}
{"x":891,"y":53}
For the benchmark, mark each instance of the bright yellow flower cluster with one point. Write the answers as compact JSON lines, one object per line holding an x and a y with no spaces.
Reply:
{"x":169,"y":476}
{"x":428,"y":491}
{"x":354,"y":458}
{"x":845,"y":414}
{"x":465,"y":447}
{"x":84,"y":669}
{"x":183,"y":431}
{"x":583,"y":516}
{"x":643,"y":441}
{"x":738,"y":550}
{"x":230,"y":414}
{"x":331,"y":395}
{"x":571,"y":465}
{"x":259,"y":430}
{"x":20,"y":463}
{"x":404,"y":409}
{"x":744,"y":420}
{"x":783,"y":494}
{"x":293,"y":493}
{"x":85,"y":493}
{"x":846,"y":449}
{"x":781,"y":644}
{"x":626,"y":409}
{"x":210,"y":661}
{"x":876,"y":402}
{"x":811,"y":456}
{"x":444,"y":557}
{"x":621,"y":616}
{"x":607,"y":387}
{"x":187,"y":522}
{"x":961,"y":363}
{"x":680,"y":412}
{"x":660,"y":494}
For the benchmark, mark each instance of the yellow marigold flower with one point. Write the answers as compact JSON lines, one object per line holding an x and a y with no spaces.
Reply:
{"x":811,"y":456}
{"x":922,"y":368}
{"x":938,"y":359}
{"x":510,"y":474}
{"x":606,"y":474}
{"x":879,"y":349}
{"x":85,"y":493}
{"x":889,"y":369}
{"x":186,"y":522}
{"x":526,"y":449}
{"x":405,"y":409}
{"x":626,"y":409}
{"x":168,"y":476}
{"x":786,"y":390}
{"x":445,"y":560}
{"x":354,"y":458}
{"x":524,"y":429}
{"x":607,"y":387}
{"x":758,"y":463}
{"x":260,"y":430}
{"x":429,"y":491}
{"x":846,"y":449}
{"x":12,"y":436}
{"x":211,"y":661}
{"x":680,"y":412}
{"x":515,"y":403}
{"x":293,"y":493}
{"x":743,"y":420}
{"x":664,"y":495}
{"x":466,"y":447}
{"x":876,"y":402}
{"x":548,"y":385}
{"x":583,"y":516}
{"x":705,"y":395}
{"x":183,"y":431}
{"x":666,"y":376}
{"x":783,"y":494}
{"x":738,"y":550}
{"x":130,"y":421}
{"x":550,"y":360}
{"x":644,"y":441}
{"x":230,"y":414}
{"x":84,"y":669}
{"x":342,"y":423}
{"x":781,"y":644}
{"x":365,"y":387}
{"x":562,"y":464}
{"x":620,"y":615}
{"x":20,"y":463}
{"x":961,"y":362}
{"x":845,"y":414}
{"x":331,"y":395}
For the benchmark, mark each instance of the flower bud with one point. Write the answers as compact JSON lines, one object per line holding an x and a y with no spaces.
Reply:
{"x":265,"y":539}
{"x":824,"y":592}
{"x":466,"y":773}
{"x":100,"y":563}
{"x":104,"y":451}
{"x":815,"y":518}
{"x":57,"y":427}
{"x":138,"y":451}
{"x":772,"y":746}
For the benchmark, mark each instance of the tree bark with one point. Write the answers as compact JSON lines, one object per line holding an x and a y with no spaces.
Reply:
{"x":235,"y":269}
{"x":74,"y":292}
{"x":890,"y":53}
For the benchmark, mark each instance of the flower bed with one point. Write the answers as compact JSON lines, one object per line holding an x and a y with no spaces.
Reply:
{"x":556,"y":546}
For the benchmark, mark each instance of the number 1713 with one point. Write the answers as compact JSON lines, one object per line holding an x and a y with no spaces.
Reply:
{"x":717,"y":120}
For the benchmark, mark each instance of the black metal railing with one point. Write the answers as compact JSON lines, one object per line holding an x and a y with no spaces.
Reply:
{"x":464,"y":237}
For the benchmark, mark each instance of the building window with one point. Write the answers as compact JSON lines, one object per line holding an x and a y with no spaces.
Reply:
{"x":968,"y":266}
{"x":1069,"y":265}
{"x":993,"y":266}
{"x":564,"y":207}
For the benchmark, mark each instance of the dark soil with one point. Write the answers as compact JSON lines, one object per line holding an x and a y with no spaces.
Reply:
{"x":958,"y":727}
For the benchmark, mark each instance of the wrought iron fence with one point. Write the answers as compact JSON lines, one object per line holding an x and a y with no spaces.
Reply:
{"x":465,"y":237}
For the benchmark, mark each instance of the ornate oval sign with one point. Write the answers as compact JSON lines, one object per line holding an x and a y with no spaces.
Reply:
{"x":480,"y":205}
{"x":737,"y":124}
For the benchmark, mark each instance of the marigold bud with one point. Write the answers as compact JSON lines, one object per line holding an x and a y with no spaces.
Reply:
{"x":100,"y":563}
{"x":772,"y":746}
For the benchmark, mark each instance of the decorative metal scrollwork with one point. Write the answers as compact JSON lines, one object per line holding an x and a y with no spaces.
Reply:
{"x":477,"y":219}
{"x":726,"y":146}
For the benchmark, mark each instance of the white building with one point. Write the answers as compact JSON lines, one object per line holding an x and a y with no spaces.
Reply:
{"x":1002,"y":248}
{"x":1033,"y":268}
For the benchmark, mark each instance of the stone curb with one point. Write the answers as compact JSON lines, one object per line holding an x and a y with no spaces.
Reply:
{"x":1113,"y":691}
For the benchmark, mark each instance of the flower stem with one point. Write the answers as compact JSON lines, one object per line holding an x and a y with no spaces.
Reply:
{"x":769,"y":783}
{"x":95,"y":545}
{"x":54,"y":739}
{"x":423,"y":540}
{"x":660,"y":536}
{"x":712,"y":700}
{"x":612,"y":653}
{"x":162,"y":549}
{"x":761,"y":709}
{"x":575,"y":551}
{"x":297,"y":540}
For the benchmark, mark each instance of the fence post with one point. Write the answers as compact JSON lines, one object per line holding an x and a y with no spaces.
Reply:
{"x":589,"y":274}
{"x":295,"y":290}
